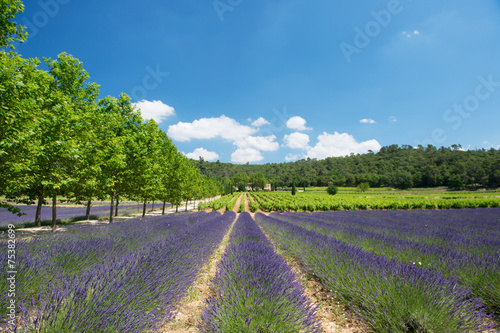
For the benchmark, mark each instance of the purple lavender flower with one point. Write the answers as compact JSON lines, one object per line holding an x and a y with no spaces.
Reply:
{"x":254,"y":288}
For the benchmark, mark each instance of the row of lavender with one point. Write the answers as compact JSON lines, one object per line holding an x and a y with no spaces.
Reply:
{"x":472,"y":228}
{"x":389,"y":295}
{"x":63,"y":213}
{"x":255,"y":290}
{"x":464,"y":244}
{"x":123,"y":277}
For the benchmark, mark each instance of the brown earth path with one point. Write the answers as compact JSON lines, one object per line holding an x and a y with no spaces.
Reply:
{"x":247,"y":203}
{"x":331,"y":314}
{"x":189,"y":311}
{"x":238,"y":202}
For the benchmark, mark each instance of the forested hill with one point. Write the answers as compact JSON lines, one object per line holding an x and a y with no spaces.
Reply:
{"x":395,"y":166}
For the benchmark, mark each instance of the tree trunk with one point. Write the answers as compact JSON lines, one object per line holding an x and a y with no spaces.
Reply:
{"x":87,"y":214}
{"x":54,"y":212}
{"x":111,"y":207}
{"x":187,"y":205}
{"x":153,"y":207}
{"x":144,"y":208}
{"x":116,"y":206}
{"x":38,"y":216}
{"x":194,"y":204}
{"x":163,"y":211}
{"x":177,"y":208}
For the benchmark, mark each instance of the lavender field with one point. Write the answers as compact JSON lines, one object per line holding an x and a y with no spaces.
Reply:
{"x":401,"y":271}
{"x":256,"y":284}
{"x":121,"y":277}
{"x":63,"y":213}
{"x":396,"y":271}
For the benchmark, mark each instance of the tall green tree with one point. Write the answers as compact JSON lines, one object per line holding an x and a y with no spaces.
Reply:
{"x":121,"y":123}
{"x":258,"y":180}
{"x":10,"y":31}
{"x":69,"y":78}
{"x":240,"y":180}
{"x":168,"y":170}
{"x":22,"y":93}
{"x":143,"y":162}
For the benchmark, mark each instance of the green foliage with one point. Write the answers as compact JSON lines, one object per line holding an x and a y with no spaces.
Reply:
{"x":456,"y":183}
{"x":55,"y":138}
{"x":241,"y":209}
{"x":363,"y":187}
{"x":428,"y":166}
{"x":254,"y":205}
{"x":332,"y":189}
{"x":231,"y":203}
{"x":220,"y":203}
{"x":240,"y":180}
{"x":258,"y":181}
{"x":10,"y":31}
{"x":294,"y":189}
{"x":403,"y":180}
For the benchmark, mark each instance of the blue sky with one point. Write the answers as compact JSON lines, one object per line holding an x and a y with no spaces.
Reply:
{"x":273,"y":81}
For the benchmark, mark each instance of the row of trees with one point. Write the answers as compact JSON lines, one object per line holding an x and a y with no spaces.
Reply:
{"x":394,"y":166}
{"x":58,"y":138}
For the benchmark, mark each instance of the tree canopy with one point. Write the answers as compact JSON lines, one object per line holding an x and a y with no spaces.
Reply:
{"x":58,"y":138}
{"x":393,"y":166}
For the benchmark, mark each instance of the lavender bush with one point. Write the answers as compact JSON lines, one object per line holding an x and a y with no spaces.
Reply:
{"x":462,"y":244}
{"x":388,"y":295}
{"x":255,"y":290}
{"x":123,"y":277}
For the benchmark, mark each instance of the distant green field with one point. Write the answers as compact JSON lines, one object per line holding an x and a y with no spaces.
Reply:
{"x":319,"y":201}
{"x":376,"y":189}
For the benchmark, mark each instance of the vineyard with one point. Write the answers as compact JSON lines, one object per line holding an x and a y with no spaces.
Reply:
{"x":314,"y":201}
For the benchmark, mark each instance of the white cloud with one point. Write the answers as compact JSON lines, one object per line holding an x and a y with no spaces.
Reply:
{"x":210,"y":128}
{"x":410,"y":34}
{"x":297,"y":123}
{"x":155,"y":110}
{"x":393,"y":119}
{"x":243,"y":155}
{"x":465,"y":149}
{"x":202,"y":152}
{"x":262,"y":143}
{"x":340,"y":144}
{"x":297,"y":140}
{"x":292,"y":157}
{"x":260,"y":122}
{"x":367,"y":121}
